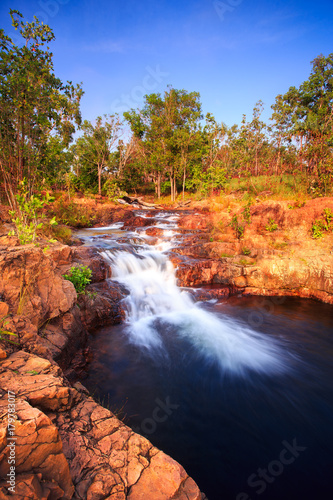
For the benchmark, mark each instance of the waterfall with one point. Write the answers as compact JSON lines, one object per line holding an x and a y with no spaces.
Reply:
{"x":155,"y":305}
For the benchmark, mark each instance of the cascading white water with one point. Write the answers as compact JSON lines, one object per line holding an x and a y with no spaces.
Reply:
{"x":155,"y":304}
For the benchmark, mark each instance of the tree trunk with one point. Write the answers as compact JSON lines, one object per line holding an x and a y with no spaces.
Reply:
{"x":159,"y":185}
{"x":278,"y":158}
{"x":184,"y":179}
{"x":99,"y":180}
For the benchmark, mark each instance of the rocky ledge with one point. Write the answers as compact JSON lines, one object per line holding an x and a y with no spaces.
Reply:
{"x":286,"y":261}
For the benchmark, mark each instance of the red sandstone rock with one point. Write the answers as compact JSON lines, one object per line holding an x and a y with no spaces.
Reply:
{"x":102,"y":305}
{"x":4,"y":309}
{"x":120,"y":464}
{"x":37,"y":381}
{"x":38,"y":448}
{"x":31,"y":286}
{"x":137,"y":221}
{"x":154,"y":231}
{"x":193,"y":221}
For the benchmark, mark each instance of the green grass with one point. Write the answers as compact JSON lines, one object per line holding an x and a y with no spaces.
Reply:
{"x":280,"y":246}
{"x":245,"y":262}
{"x":288,"y":186}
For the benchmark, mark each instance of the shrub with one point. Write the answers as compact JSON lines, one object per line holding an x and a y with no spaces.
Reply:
{"x":27,"y":220}
{"x":246,"y":251}
{"x":112,"y":189}
{"x":247,"y":214}
{"x":72,"y":214}
{"x":317,"y":229}
{"x":271,"y":226}
{"x":80,"y":276}
{"x":63,"y":234}
{"x":320,"y":225}
{"x":328,"y":216}
{"x":238,"y":228}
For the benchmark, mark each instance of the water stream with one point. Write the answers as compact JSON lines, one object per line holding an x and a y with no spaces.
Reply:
{"x":247,"y":410}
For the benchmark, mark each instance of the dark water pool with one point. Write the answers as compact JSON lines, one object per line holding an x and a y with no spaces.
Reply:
{"x":254,"y":435}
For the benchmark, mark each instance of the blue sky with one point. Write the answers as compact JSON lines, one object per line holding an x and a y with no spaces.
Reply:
{"x":233,"y":52}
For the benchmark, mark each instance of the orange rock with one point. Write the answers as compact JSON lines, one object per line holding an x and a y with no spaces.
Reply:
{"x":4,"y":309}
{"x":38,"y":448}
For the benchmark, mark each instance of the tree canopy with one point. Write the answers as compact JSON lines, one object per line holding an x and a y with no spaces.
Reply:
{"x":35,"y":105}
{"x":170,"y":145}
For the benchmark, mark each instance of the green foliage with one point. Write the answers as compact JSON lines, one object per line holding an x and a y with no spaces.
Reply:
{"x":35,"y":106}
{"x":247,"y":214}
{"x":205,"y":182}
{"x":80,"y":276}
{"x":304,"y":114}
{"x":328,"y":216}
{"x":271,"y":226}
{"x":319,"y":226}
{"x":317,"y":229}
{"x":70,"y":213}
{"x":28,"y":214}
{"x":112,"y":189}
{"x":165,"y":131}
{"x":238,"y":228}
{"x":5,"y":333}
{"x":246,"y":251}
{"x":94,"y":148}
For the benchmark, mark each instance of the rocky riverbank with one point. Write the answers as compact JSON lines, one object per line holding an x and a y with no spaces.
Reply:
{"x":67,"y":445}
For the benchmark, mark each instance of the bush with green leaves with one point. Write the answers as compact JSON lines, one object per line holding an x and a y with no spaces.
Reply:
{"x":80,"y":276}
{"x":247,"y":214}
{"x":113,"y":190}
{"x":205,"y":182}
{"x":72,"y":214}
{"x":319,"y":226}
{"x":28,"y":214}
{"x":238,"y":227}
{"x":272,"y":225}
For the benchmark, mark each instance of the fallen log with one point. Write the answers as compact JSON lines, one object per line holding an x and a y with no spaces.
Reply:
{"x":132,"y":200}
{"x":183,"y":204}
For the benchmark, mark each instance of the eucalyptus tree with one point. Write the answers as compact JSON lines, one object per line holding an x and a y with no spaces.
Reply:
{"x":35,"y":105}
{"x":256,"y":137}
{"x":166,"y":127}
{"x":94,"y":149}
{"x":305,"y":114}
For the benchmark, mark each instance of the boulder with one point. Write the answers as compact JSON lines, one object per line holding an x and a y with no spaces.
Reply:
{"x":31,"y":286}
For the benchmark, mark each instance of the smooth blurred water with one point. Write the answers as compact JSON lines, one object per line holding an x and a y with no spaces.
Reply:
{"x":223,"y":426}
